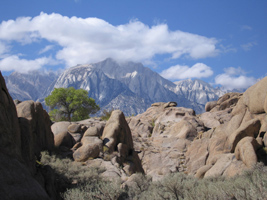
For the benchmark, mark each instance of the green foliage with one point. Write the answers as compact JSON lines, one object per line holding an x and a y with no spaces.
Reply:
{"x":106,"y":114}
{"x":70,"y":104}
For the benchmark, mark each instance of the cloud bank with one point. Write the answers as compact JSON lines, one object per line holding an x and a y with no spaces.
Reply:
{"x":87,"y":40}
{"x":234,"y":78}
{"x":178,"y":72}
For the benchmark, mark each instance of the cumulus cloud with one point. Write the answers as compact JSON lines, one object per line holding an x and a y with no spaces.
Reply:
{"x":177,"y":72}
{"x":87,"y":40}
{"x":13,"y":62}
{"x":234,"y":78}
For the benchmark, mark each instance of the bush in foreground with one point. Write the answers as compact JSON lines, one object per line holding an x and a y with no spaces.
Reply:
{"x":78,"y":181}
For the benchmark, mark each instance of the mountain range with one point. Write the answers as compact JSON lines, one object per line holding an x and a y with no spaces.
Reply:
{"x":127,"y":86}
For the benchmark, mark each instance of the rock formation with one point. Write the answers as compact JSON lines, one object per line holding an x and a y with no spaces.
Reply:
{"x":103,"y":144}
{"x":227,"y":139}
{"x":237,"y":142}
{"x":21,"y":140}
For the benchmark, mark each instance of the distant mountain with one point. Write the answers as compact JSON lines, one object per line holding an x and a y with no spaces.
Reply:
{"x":197,"y":91}
{"x":30,"y":86}
{"x":127,"y":86}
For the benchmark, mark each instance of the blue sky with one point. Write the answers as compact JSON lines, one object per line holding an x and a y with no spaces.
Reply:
{"x":221,"y":42}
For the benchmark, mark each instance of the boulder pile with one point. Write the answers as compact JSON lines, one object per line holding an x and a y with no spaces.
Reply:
{"x":227,"y":139}
{"x":100,"y":144}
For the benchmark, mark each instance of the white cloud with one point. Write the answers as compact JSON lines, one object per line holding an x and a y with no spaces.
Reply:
{"x":234,"y":71}
{"x":234,"y":78}
{"x":178,"y":72}
{"x":91,"y":39}
{"x":248,"y":46}
{"x":11,"y":63}
{"x":46,"y":48}
{"x":3,"y":49}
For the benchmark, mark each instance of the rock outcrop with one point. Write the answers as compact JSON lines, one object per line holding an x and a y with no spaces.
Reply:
{"x":18,"y":139}
{"x":102,"y":144}
{"x":235,"y":143}
{"x":36,"y":134}
{"x":227,"y":139}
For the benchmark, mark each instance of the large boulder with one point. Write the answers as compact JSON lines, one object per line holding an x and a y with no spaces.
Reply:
{"x":64,"y":139}
{"x":255,"y":97}
{"x":246,"y":151}
{"x":36,"y":134}
{"x":10,"y":141}
{"x":75,"y":128}
{"x":60,"y":127}
{"x":250,"y":128}
{"x":17,"y":181}
{"x":228,"y":100}
{"x":94,"y":131}
{"x":90,"y":149}
{"x":117,"y":131}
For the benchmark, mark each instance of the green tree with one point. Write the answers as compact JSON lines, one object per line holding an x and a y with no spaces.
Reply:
{"x":70,"y":104}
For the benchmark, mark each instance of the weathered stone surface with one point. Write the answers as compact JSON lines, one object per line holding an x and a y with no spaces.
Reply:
{"x":202,"y":170}
{"x":90,"y":149}
{"x":16,"y":178}
{"x":9,"y":124}
{"x":76,"y":136}
{"x":197,"y":155}
{"x":60,"y":127}
{"x":210,"y":105}
{"x":235,"y":168}
{"x":95,"y":131}
{"x":228,"y":100}
{"x":141,"y":128}
{"x":64,"y":139}
{"x":117,"y":131}
{"x":250,"y":128}
{"x":171,"y":117}
{"x":246,"y":151}
{"x":265,"y":139}
{"x":255,"y":97}
{"x":220,"y":166}
{"x":17,"y":181}
{"x":169,"y":104}
{"x":39,"y":131}
{"x":74,"y":128}
{"x":214,"y":119}
{"x":183,"y":130}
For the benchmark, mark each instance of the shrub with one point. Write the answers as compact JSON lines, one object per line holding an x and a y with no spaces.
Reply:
{"x":79,"y":181}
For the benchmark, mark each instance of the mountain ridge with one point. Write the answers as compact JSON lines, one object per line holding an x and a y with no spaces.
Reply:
{"x":127,"y":86}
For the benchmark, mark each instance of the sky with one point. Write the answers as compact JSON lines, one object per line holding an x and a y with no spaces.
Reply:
{"x":221,"y":42}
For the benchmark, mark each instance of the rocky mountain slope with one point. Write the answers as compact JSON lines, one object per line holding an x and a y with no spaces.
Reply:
{"x":31,"y":86}
{"x":127,"y":86}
